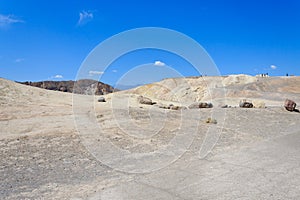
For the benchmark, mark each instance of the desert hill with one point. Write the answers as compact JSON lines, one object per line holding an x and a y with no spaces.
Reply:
{"x":60,"y":145}
{"x":223,"y":89}
{"x":85,"y":86}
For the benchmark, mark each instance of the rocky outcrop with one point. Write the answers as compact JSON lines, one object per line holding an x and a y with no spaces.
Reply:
{"x":85,"y":86}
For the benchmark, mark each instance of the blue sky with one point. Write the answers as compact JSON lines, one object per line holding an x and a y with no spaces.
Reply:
{"x":49,"y":40}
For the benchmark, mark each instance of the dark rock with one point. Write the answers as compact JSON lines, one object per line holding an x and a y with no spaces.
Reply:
{"x":101,"y":99}
{"x":290,"y":105}
{"x":205,"y":105}
{"x":245,"y":104}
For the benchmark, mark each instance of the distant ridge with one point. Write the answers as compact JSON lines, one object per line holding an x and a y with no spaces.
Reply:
{"x":84,"y":86}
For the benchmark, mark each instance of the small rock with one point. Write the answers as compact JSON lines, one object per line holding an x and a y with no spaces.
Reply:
{"x":101,"y":99}
{"x":205,"y":105}
{"x":175,"y":107}
{"x":245,"y":104}
{"x":164,"y":107}
{"x":200,"y":105}
{"x":211,"y":121}
{"x":145,"y":100}
{"x":290,"y":105}
{"x":99,"y":116}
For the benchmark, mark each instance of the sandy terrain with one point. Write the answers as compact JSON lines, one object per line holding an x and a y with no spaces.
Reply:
{"x":56,"y":145}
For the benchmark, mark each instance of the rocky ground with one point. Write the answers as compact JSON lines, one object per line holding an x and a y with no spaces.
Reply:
{"x":57,"y":145}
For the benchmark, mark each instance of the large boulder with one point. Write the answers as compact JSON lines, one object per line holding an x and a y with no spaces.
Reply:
{"x":200,"y":105}
{"x":145,"y":100}
{"x":290,"y":105}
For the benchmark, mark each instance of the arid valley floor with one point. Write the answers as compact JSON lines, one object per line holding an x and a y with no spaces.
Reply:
{"x":56,"y":145}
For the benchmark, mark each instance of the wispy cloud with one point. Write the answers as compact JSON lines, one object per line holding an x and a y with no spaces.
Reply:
{"x":114,"y":71}
{"x":18,"y":60}
{"x":273,"y":67}
{"x":92,"y":73}
{"x":7,"y":20}
{"x":58,"y":76}
{"x":159,"y":63}
{"x":85,"y":17}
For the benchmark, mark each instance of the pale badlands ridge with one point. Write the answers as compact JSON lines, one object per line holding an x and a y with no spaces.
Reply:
{"x":46,"y":155}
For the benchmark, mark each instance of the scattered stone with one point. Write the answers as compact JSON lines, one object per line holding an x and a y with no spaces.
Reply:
{"x":225,"y":106}
{"x":159,"y":105}
{"x":171,"y":107}
{"x":290,"y":105}
{"x":200,"y":105}
{"x":101,"y":99}
{"x":145,"y":100}
{"x":175,"y":107}
{"x":245,"y":104}
{"x":211,"y":121}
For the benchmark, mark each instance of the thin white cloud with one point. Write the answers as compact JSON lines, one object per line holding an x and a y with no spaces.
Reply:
{"x":273,"y":67}
{"x":159,"y":63}
{"x":92,"y":73}
{"x":114,"y":71}
{"x":58,"y":76}
{"x":6,"y":20}
{"x":18,"y":60}
{"x":85,"y":17}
